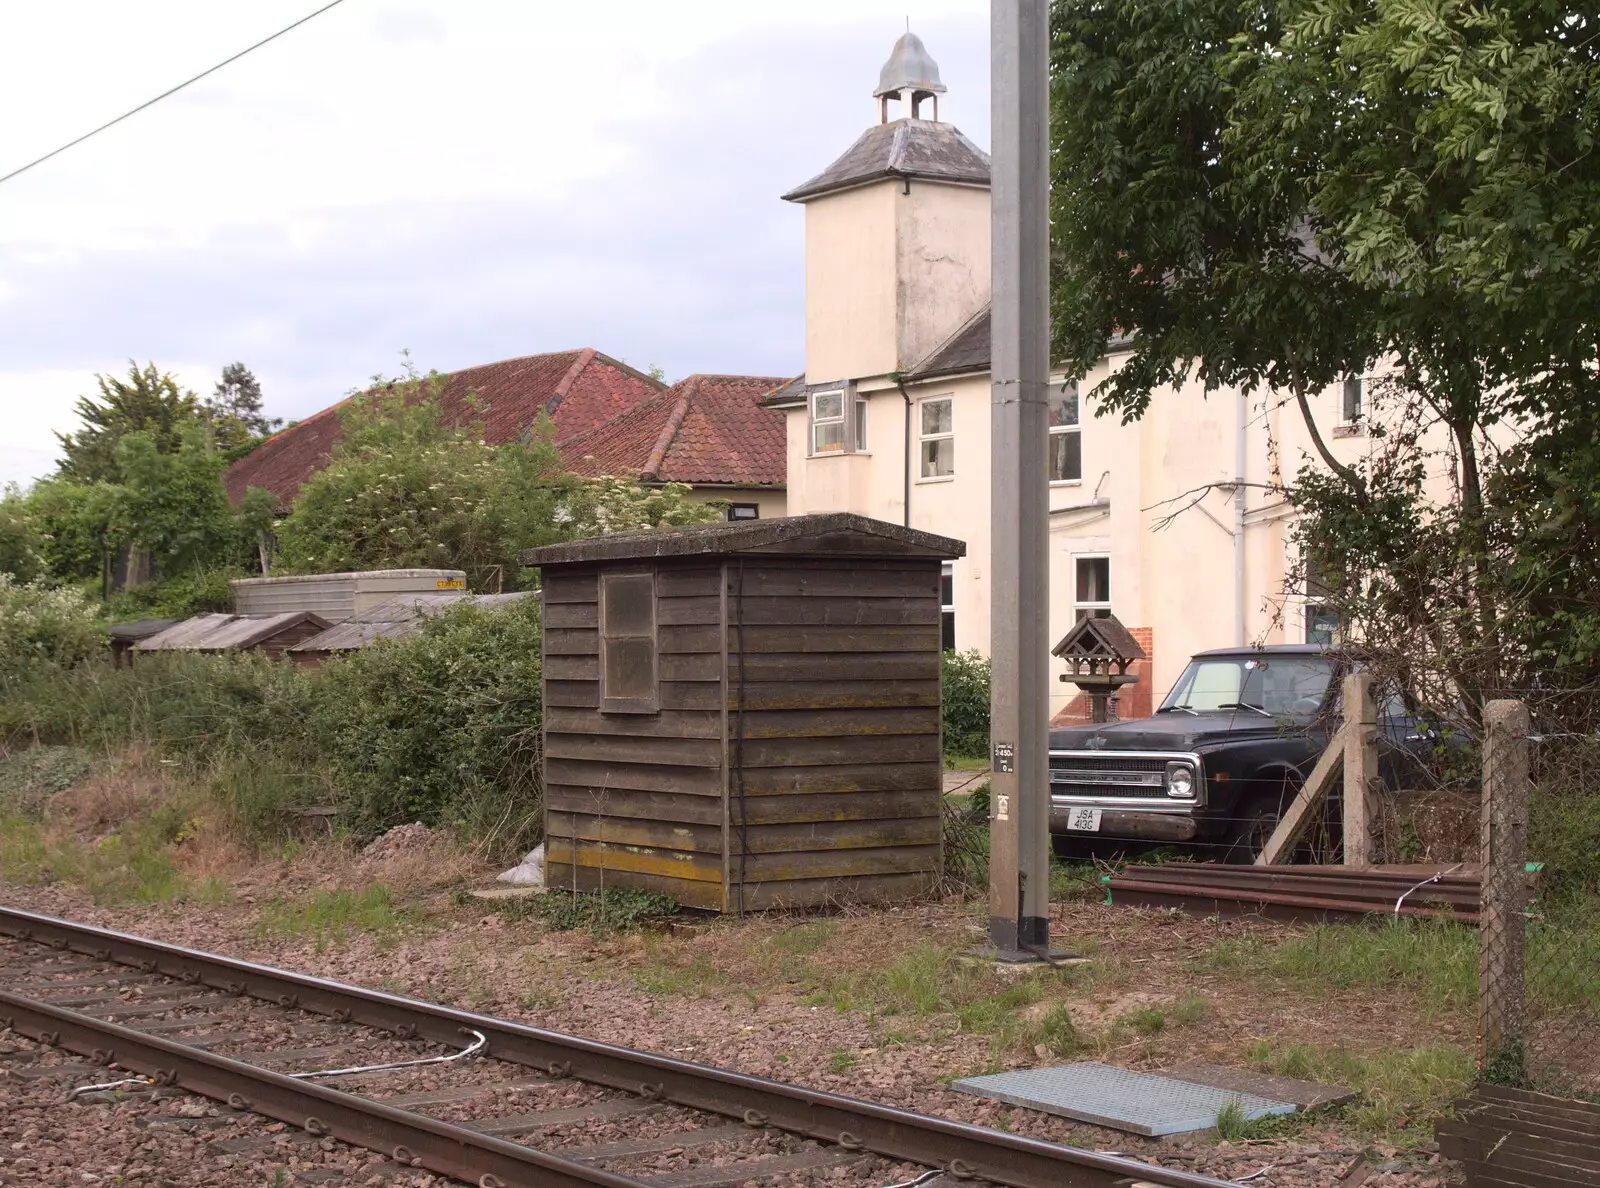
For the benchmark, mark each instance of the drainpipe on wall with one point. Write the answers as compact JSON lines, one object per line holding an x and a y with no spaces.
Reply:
{"x":900,"y":382}
{"x":1238,"y":519}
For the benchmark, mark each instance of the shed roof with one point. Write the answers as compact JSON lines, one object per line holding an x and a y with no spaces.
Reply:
{"x":901,"y":148}
{"x":225,"y":633}
{"x":835,"y":533}
{"x":397,"y":617}
{"x":138,"y":629}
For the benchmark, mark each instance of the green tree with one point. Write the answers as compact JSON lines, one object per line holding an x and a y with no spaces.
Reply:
{"x":148,"y":401}
{"x":235,"y":411}
{"x":405,"y":488}
{"x":74,"y":519}
{"x":1280,"y":194}
{"x":173,"y":505}
{"x":21,"y":542}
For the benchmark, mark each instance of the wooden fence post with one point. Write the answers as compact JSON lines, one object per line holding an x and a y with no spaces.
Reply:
{"x":1360,"y":767}
{"x":1501,"y":918}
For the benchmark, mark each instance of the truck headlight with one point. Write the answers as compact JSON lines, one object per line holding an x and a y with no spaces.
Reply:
{"x":1180,"y":780}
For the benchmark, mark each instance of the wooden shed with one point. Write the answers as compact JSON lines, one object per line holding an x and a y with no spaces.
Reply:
{"x":745,"y":715}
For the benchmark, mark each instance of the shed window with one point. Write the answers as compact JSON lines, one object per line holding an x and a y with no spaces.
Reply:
{"x":938,"y":438}
{"x":628,"y":643}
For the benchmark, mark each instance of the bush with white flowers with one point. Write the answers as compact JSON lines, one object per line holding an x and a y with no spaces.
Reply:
{"x":43,"y":627}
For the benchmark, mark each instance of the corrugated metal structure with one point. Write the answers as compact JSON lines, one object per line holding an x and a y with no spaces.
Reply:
{"x":272,"y":634}
{"x":388,"y":620}
{"x":339,"y":596}
{"x":745,"y":715}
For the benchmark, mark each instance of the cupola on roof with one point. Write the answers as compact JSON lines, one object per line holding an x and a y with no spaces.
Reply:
{"x":910,"y":67}
{"x":910,"y":75}
{"x":909,"y":147}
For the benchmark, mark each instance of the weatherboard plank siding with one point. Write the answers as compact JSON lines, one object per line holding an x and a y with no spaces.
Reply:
{"x":791,"y":754}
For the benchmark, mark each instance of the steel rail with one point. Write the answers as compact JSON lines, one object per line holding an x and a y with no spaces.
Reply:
{"x":414,"y":1140}
{"x":963,"y":1150}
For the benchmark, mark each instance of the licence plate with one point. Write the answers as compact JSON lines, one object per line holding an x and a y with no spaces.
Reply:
{"x":1084,"y":820}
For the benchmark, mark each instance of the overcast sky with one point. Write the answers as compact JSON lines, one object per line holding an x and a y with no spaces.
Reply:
{"x":467,"y":179}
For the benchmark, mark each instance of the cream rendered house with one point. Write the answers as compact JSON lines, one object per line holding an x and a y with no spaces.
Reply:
{"x":892,"y":417}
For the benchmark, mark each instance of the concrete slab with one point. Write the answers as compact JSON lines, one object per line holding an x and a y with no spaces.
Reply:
{"x":1305,"y":1094}
{"x":1139,"y":1103}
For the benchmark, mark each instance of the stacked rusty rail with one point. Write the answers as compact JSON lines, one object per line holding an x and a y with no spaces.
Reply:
{"x":798,"y":1131}
{"x":1300,"y":892}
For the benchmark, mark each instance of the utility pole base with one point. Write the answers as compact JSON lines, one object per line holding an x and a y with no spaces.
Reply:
{"x":1020,"y":943}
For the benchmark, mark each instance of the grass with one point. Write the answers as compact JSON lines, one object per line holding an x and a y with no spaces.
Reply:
{"x":1146,"y":1020}
{"x":1191,"y":1008}
{"x":329,"y":917}
{"x":1402,"y":1089}
{"x":133,"y":865}
{"x":1438,"y":959}
{"x":692,"y":979}
{"x":841,"y":1061}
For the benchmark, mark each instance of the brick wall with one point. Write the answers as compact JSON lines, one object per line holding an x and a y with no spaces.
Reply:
{"x":1137,"y":700}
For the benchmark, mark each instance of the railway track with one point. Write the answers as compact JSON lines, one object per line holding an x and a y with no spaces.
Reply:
{"x":480,"y":1100}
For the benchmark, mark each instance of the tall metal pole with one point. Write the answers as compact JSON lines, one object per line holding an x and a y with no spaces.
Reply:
{"x":1019,"y":870}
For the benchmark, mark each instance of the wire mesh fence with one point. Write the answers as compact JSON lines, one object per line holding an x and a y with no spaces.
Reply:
{"x":1539,"y":929}
{"x":1560,"y":942}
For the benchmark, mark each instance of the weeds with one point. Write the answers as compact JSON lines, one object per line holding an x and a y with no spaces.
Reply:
{"x":692,"y":979}
{"x":1436,"y":958}
{"x":134,"y":865}
{"x":603,"y":913}
{"x":1191,"y":1008}
{"x":1146,"y":1020}
{"x":330,"y":916}
{"x":29,"y":778}
{"x":1402,"y":1089}
{"x":841,"y":1061}
{"x":1233,"y":1123}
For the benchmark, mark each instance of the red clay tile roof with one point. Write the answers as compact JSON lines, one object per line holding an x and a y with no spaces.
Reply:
{"x":707,"y":429}
{"x":581,"y":390}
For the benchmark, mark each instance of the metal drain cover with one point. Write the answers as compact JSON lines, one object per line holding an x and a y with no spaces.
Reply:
{"x":1140,"y":1103}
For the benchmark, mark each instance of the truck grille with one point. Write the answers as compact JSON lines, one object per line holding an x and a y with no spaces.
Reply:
{"x":1108,"y":775}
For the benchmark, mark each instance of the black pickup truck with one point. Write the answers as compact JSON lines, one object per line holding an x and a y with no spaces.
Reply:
{"x":1220,"y":760}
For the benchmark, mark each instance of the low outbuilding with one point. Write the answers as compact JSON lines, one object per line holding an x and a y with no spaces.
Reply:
{"x":271,"y":634}
{"x":394,"y":619}
{"x":745,"y":715}
{"x":125,"y":635}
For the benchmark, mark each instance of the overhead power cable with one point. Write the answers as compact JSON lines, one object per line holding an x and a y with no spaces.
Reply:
{"x":172,"y":91}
